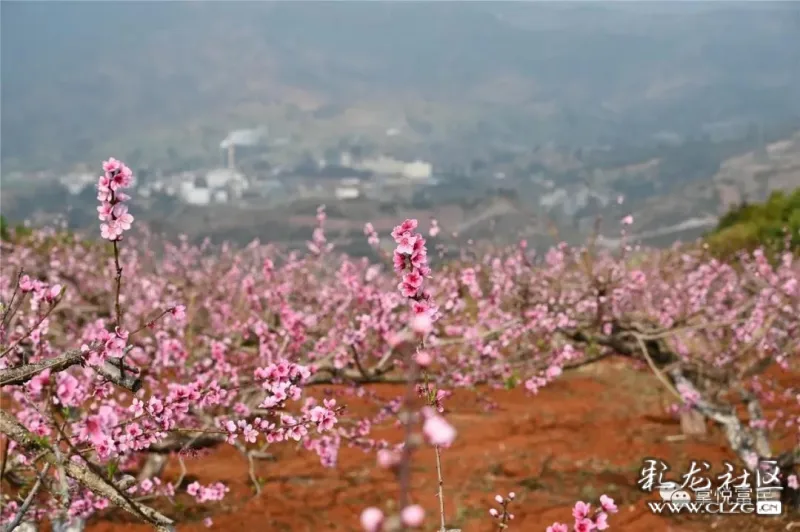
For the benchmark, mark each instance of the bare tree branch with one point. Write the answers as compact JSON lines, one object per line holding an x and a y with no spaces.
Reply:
{"x":742,"y":440}
{"x":87,"y":478}
{"x":23,"y":374}
{"x":111,"y":370}
{"x":28,"y":500}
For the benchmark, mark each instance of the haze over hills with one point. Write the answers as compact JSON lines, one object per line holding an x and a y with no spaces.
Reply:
{"x":168,"y":79}
{"x":532,"y":115}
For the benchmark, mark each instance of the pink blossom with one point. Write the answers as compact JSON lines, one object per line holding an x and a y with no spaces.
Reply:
{"x":67,"y":389}
{"x":584,"y":525}
{"x":104,"y":211}
{"x":179,"y":312}
{"x":421,"y":324}
{"x":413,"y":515}
{"x":438,"y":431}
{"x":553,"y":372}
{"x":112,"y":165}
{"x":406,"y":227}
{"x":608,"y":504}
{"x":580,"y":510}
{"x":423,"y":358}
{"x":38,"y":383}
{"x":26,"y":284}
{"x":408,"y":290}
{"x":388,"y":459}
{"x":110,"y":231}
{"x":371,"y":519}
{"x":405,"y":244}
{"x":122,"y":216}
{"x":558,"y":527}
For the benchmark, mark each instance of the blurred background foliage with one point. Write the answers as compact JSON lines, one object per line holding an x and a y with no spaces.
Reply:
{"x":772,"y":224}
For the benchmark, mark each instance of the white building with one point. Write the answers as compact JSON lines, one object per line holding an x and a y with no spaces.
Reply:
{"x":383,"y":165}
{"x":221,"y":177}
{"x":418,"y":170}
{"x":346,"y":193}
{"x":196,"y":196}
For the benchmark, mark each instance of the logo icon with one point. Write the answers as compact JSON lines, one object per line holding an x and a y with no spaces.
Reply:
{"x":669,"y":492}
{"x":769,"y":507}
{"x":666,"y":489}
{"x":681,"y":498}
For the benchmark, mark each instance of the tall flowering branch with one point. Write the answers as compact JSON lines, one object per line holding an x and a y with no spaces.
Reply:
{"x":114,"y":213}
{"x":411,"y":264}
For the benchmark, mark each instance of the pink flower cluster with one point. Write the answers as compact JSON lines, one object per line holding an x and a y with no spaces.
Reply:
{"x":584,"y":520}
{"x":411,"y":262}
{"x":110,"y":345}
{"x":152,"y":487}
{"x":41,"y":291}
{"x":281,"y":381}
{"x":212,"y":492}
{"x":112,"y":211}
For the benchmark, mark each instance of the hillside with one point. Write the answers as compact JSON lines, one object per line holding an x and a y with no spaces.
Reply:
{"x":158,"y":82}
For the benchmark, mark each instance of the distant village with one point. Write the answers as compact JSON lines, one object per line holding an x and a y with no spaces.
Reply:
{"x":350,"y":177}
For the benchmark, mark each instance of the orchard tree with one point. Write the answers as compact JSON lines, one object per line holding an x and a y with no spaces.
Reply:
{"x":117,"y":355}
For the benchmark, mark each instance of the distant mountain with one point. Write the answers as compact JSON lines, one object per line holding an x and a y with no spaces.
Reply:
{"x":160,"y":81}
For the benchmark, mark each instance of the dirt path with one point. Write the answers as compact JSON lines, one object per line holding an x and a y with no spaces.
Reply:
{"x":580,"y":437}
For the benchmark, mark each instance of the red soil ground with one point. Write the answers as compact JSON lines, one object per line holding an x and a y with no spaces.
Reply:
{"x":582,"y":436}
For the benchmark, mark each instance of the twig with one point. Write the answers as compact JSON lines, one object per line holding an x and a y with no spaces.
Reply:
{"x":440,"y":486}
{"x":63,"y":488}
{"x":655,"y":370}
{"x":405,"y":463}
{"x":50,"y":310}
{"x":361,"y":369}
{"x":118,"y":281}
{"x":3,"y":460}
{"x":28,"y":500}
{"x":13,"y":295}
